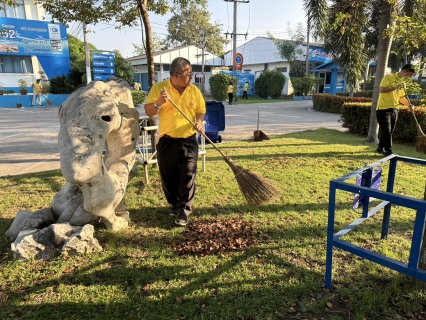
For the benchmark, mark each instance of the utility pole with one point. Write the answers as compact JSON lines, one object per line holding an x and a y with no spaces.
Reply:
{"x":234,"y":32}
{"x":203,"y":45}
{"x":86,"y":49}
{"x":307,"y":47}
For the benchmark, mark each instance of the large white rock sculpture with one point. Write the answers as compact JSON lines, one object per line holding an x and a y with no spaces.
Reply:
{"x":96,"y":117}
{"x":93,"y":117}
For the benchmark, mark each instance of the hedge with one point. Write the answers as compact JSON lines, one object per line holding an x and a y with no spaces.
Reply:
{"x":138,"y":97}
{"x":356,"y":117}
{"x":332,"y":103}
{"x":364,"y":94}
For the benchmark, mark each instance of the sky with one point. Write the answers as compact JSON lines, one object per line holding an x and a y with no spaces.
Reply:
{"x":254,"y":18}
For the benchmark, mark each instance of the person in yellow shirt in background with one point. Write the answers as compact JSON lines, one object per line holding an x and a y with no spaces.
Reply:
{"x":137,"y":86}
{"x":177,"y":148}
{"x":245,"y":89}
{"x":230,"y":92}
{"x":391,"y":95}
{"x":37,"y":86}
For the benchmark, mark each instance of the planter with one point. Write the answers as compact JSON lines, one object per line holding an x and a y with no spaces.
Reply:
{"x":298,"y":98}
{"x":307,"y":97}
{"x":23,"y":92}
{"x":1,"y":92}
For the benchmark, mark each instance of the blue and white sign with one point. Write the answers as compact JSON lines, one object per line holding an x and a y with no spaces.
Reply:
{"x":103,"y":70}
{"x":48,"y":41}
{"x":98,"y":56}
{"x":100,"y":77}
{"x":107,"y":64}
{"x":103,"y":60}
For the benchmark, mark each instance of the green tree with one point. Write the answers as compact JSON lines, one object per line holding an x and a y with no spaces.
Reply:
{"x":78,"y":60}
{"x":219,"y":85}
{"x":291,"y":49}
{"x":270,"y":83}
{"x":186,"y":23}
{"x":123,"y":68}
{"x":158,"y":45}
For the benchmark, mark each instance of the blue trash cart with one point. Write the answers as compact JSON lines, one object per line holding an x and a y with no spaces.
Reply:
{"x":215,"y":120}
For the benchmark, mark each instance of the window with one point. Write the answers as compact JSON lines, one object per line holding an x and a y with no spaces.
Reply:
{"x":15,"y":64}
{"x":283,"y":69}
{"x":13,"y":11}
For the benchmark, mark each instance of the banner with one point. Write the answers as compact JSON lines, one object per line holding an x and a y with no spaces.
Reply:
{"x":45,"y":40}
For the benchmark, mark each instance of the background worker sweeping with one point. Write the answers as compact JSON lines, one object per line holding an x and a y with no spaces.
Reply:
{"x":37,"y":86}
{"x":392,"y":94}
{"x":177,"y":148}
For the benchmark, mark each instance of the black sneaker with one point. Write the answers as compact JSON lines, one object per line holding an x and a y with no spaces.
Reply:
{"x":388,"y":152}
{"x":380,"y":150}
{"x":173,"y":211}
{"x":182,"y":219}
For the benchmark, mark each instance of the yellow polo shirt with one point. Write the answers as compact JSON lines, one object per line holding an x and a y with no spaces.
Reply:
{"x":390,"y":99}
{"x":37,"y":87}
{"x":245,"y":87}
{"x":230,"y":88}
{"x":172,"y":123}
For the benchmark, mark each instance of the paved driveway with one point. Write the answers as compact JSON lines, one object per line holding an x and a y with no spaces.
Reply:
{"x":28,"y":137}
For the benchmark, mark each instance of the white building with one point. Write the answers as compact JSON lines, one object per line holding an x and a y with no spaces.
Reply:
{"x":261,"y":54}
{"x":163,"y":59}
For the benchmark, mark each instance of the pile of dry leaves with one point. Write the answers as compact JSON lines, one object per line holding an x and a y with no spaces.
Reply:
{"x":216,"y":237}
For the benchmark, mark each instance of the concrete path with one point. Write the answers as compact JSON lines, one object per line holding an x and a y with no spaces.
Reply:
{"x":28,"y":137}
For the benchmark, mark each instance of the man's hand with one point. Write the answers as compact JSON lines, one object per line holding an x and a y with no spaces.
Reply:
{"x":198,"y":126}
{"x":164,"y":96}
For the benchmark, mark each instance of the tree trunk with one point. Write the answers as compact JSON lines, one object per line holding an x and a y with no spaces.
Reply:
{"x":383,"y":50}
{"x":142,"y":4}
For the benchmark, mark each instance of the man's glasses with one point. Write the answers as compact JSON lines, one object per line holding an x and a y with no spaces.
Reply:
{"x":190,"y":74}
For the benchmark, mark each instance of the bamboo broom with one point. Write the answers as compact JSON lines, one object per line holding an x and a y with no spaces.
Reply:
{"x":256,"y":190}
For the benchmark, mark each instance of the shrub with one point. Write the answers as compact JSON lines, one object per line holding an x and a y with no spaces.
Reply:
{"x":369,"y":84}
{"x":331,"y":103}
{"x":61,"y":85}
{"x":356,"y":117}
{"x":304,"y":85}
{"x":219,"y":86}
{"x":364,"y":94}
{"x":270,"y":83}
{"x":138,"y":97}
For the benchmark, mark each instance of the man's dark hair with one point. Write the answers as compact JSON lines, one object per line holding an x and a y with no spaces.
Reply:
{"x":178,"y":64}
{"x":408,"y":67}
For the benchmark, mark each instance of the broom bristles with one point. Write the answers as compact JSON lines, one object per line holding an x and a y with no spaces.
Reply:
{"x":256,"y":190}
{"x":420,"y":140}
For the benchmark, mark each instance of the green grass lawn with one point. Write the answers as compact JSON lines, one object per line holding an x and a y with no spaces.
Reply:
{"x":140,"y":276}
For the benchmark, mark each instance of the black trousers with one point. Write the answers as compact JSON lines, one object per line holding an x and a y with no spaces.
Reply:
{"x":245,"y":95}
{"x":231,"y":97}
{"x":386,"y":119}
{"x":177,"y":163}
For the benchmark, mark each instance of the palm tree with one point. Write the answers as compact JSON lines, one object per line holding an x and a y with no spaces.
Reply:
{"x":352,"y":15}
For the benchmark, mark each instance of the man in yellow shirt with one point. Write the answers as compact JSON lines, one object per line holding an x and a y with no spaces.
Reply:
{"x":230,"y":92}
{"x":177,"y":148}
{"x":37,"y":86}
{"x":137,"y":86}
{"x":391,"y":95}
{"x":245,"y":89}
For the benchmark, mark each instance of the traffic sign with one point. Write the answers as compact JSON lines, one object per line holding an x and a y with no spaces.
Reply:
{"x":104,"y":70}
{"x":238,"y":60}
{"x":107,"y":64}
{"x":98,"y":56}
{"x":101,"y":77}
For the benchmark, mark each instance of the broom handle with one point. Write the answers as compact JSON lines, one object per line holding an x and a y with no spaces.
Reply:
{"x":415,"y":118}
{"x":258,"y":119}
{"x":192,"y":122}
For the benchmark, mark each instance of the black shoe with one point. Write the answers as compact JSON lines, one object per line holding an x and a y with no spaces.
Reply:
{"x":173,"y":211}
{"x":380,"y":150}
{"x":388,"y":152}
{"x":182,"y":219}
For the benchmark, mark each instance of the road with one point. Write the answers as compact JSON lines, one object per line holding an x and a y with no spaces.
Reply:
{"x":28,"y":137}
